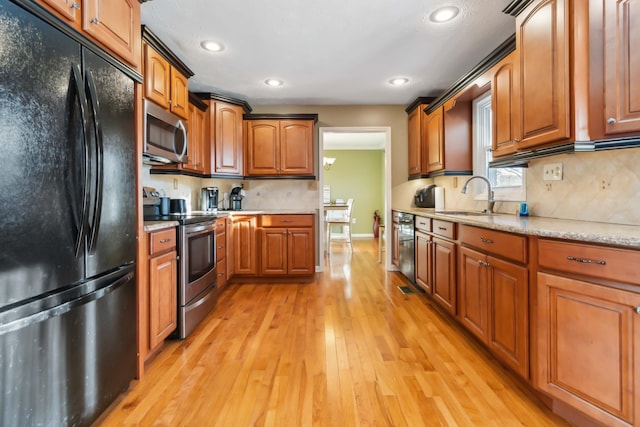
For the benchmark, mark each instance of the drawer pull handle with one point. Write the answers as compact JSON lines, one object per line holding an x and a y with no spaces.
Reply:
{"x":221,"y":247}
{"x":586,"y":261}
{"x":483,"y":240}
{"x":442,"y":228}
{"x":165,"y":240}
{"x":287,"y":220}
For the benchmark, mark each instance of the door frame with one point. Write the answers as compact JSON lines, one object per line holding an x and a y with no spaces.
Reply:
{"x":387,"y":185}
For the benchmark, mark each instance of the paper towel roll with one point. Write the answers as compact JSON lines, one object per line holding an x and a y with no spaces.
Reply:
{"x":439,"y":195}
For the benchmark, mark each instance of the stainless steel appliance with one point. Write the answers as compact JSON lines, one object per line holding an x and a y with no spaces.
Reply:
{"x":209,"y":199}
{"x":406,"y":243}
{"x":67,"y":259}
{"x":425,"y":197}
{"x":197,"y":291}
{"x":165,"y":136}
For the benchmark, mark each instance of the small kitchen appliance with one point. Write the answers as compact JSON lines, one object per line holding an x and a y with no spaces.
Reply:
{"x":178,"y":206}
{"x":425,"y":197}
{"x":237,"y":194}
{"x":209,"y":199}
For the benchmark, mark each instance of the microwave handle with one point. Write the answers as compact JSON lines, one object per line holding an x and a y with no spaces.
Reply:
{"x":182,"y":129}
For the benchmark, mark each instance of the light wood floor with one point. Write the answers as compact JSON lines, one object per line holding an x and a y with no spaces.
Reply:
{"x":346,"y":350}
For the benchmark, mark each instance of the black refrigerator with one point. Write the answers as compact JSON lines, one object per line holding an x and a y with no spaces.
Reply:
{"x":68,"y":223}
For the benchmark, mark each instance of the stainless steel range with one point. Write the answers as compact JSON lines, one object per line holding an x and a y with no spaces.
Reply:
{"x":197,"y":290}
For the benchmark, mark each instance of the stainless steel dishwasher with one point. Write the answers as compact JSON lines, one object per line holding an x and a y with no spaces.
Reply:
{"x":406,"y":244}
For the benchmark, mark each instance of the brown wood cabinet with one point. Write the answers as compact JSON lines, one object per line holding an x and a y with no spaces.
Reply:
{"x":245,"y":255}
{"x":444,"y":273}
{"x":279,"y":147}
{"x":589,"y":347}
{"x":423,"y":261}
{"x":417,"y":122}
{"x":543,"y":43}
{"x":221,"y":253}
{"x":164,"y":84}
{"x":198,"y":147}
{"x":434,"y":153}
{"x":115,"y":26}
{"x":227,"y":138}
{"x":621,"y":66}
{"x":163,"y":286}
{"x":504,"y":106}
{"x":287,"y":245}
{"x":494,"y":294}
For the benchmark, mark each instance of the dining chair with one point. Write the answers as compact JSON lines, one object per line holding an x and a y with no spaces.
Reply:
{"x":342,"y":218}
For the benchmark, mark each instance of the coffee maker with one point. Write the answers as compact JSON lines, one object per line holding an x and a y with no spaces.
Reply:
{"x":209,"y":199}
{"x":237,"y":194}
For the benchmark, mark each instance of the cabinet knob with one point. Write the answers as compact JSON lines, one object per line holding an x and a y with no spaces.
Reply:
{"x":516,"y":139}
{"x":74,"y":5}
{"x":637,"y":309}
{"x":611,"y":121}
{"x":95,"y":21}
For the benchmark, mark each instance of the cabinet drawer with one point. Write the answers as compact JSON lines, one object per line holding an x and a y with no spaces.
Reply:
{"x":286,"y":220}
{"x":507,"y":245}
{"x":162,"y":241}
{"x":221,"y":246}
{"x":619,"y":265}
{"x":221,"y":226}
{"x":444,"y":229}
{"x":423,"y":224}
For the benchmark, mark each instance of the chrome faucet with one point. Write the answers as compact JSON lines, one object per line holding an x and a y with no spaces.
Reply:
{"x":490,"y":199}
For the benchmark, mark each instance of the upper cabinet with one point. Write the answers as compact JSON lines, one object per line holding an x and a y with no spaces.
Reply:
{"x":198,"y":146}
{"x":225,"y":134}
{"x":503,"y":106}
{"x":543,"y":42}
{"x":279,"y":145}
{"x":115,"y":24}
{"x":165,"y":76}
{"x":417,"y":122}
{"x":434,"y":152}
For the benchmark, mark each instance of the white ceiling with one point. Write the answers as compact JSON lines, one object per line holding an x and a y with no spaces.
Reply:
{"x":327,"y":51}
{"x":354,"y":140}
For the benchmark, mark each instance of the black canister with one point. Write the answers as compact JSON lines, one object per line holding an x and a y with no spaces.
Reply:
{"x":164,"y":206}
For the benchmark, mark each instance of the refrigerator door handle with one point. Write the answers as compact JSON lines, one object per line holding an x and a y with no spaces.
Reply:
{"x":82,"y":100}
{"x":99,"y":184}
{"x":65,"y":307}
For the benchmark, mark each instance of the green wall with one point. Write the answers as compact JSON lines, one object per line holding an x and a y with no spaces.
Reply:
{"x":358,"y":174}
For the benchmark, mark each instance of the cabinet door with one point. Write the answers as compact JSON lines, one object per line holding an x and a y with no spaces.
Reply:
{"x":395,"y":245}
{"x":157,"y":77}
{"x":509,"y":314}
{"x":503,"y":107}
{"x":474,"y":298}
{"x":67,"y":9}
{"x":296,"y":147}
{"x":435,"y":140}
{"x":195,"y":154}
{"x":415,"y":141}
{"x":622,"y":65}
{"x":245,"y":256}
{"x":301,"y":251}
{"x":163,"y":299}
{"x":588,"y":348}
{"x":263,"y":147}
{"x":273,"y":260}
{"x":116,"y":24}
{"x":230,"y":250}
{"x":542,"y":40}
{"x":423,"y":261}
{"x":228,"y":139}
{"x":444,"y":273}
{"x":179,"y":103}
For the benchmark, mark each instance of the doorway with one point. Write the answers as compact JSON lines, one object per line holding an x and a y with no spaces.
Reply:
{"x":356,"y":138}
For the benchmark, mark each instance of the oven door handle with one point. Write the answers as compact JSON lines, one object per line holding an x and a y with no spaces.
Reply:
{"x":200,"y":229}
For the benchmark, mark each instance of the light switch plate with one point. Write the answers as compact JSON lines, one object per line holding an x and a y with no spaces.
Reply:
{"x":552,"y":172}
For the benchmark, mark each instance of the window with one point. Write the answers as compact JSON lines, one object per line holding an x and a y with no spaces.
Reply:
{"x":507,"y":183}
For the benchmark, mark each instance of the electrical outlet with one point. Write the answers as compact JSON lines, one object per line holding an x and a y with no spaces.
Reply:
{"x":455,"y":182}
{"x":552,"y":172}
{"x":175,"y":183}
{"x":353,"y":220}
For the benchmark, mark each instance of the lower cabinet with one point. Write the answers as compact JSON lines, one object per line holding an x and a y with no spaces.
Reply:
{"x":245,"y":255}
{"x":494,"y":293}
{"x":287,"y":250}
{"x":423,"y":261}
{"x":163,"y":286}
{"x":444,"y":273}
{"x":221,"y":253}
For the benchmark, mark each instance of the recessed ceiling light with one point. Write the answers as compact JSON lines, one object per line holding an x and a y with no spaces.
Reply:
{"x":399,"y":81}
{"x":444,"y":14}
{"x":212,"y":46}
{"x":273,"y":82}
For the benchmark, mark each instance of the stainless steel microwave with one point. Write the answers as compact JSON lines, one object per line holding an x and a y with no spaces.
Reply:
{"x":165,"y":136}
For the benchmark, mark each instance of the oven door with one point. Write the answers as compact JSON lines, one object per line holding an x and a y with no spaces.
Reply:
{"x":198,"y":262}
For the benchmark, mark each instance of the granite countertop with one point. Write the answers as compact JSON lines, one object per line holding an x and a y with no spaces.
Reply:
{"x":585,"y":231}
{"x":150,"y":226}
